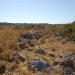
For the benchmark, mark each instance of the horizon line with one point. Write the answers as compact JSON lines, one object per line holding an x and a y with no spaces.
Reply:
{"x":36,"y":22}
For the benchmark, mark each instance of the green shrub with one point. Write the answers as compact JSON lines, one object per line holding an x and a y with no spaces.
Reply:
{"x":69,"y":31}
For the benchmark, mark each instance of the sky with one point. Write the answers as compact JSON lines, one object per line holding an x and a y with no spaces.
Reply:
{"x":37,"y":11}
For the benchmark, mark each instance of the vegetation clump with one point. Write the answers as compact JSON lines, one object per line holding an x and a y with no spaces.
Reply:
{"x":69,"y":31}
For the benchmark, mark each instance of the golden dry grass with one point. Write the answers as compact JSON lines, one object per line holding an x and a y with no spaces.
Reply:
{"x":9,"y":35}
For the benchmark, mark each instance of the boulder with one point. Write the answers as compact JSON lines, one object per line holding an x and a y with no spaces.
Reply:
{"x":38,"y":65}
{"x":25,"y":36}
{"x":30,"y":36}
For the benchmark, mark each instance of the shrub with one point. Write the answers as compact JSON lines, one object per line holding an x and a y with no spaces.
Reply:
{"x":69,"y":31}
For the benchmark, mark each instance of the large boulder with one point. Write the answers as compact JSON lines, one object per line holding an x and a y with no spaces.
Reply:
{"x":38,"y":65}
{"x":25,"y":36}
{"x":29,"y":36}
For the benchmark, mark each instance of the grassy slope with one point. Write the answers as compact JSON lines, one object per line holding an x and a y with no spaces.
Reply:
{"x":10,"y":34}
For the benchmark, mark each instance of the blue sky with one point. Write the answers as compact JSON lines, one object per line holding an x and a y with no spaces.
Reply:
{"x":37,"y":11}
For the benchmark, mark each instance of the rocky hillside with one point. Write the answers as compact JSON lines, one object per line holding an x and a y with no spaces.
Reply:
{"x":41,"y":49}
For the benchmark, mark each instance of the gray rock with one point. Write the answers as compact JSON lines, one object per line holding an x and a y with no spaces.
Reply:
{"x":72,"y":56}
{"x":26,"y":36}
{"x":68,"y":67}
{"x":21,"y":56}
{"x":38,"y":65}
{"x":30,"y":36}
{"x":40,"y":51}
{"x":68,"y":63}
{"x":68,"y":71}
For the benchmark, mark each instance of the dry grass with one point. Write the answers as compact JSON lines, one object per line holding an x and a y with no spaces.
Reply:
{"x":9,"y":35}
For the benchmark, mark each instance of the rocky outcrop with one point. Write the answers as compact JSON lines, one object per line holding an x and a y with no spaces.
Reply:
{"x":29,"y":36}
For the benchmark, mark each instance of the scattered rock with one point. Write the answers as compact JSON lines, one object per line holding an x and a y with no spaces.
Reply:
{"x":11,"y":59}
{"x":22,"y":46}
{"x":66,"y":63}
{"x":21,"y":56}
{"x":2,"y":69}
{"x":38,"y":65}
{"x":13,"y":47}
{"x":59,"y":38}
{"x":40,"y":51}
{"x":68,"y":67}
{"x":56,"y":34}
{"x":29,"y":48}
{"x":68,"y":71}
{"x":72,"y":56}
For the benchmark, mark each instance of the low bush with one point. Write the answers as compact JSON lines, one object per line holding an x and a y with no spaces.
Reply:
{"x":69,"y":31}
